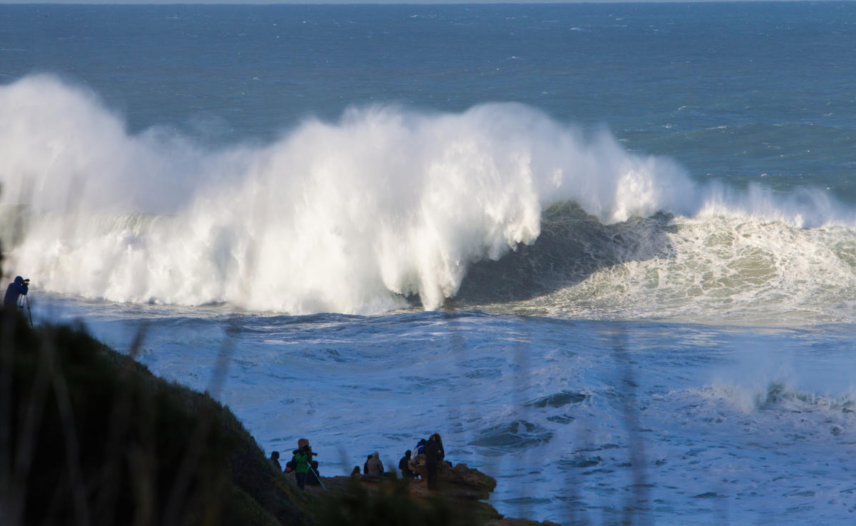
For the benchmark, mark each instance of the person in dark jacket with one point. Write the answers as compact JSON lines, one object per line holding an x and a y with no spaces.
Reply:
{"x":15,"y":290}
{"x":274,"y":459}
{"x":434,"y":454}
{"x":404,"y":466}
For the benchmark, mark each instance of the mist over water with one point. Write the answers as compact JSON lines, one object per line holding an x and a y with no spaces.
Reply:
{"x":355,"y":215}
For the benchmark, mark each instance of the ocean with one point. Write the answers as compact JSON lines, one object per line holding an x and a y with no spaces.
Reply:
{"x":608,"y":252}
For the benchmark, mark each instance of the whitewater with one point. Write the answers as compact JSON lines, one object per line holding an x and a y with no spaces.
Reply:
{"x":574,"y":295}
{"x":357,"y":215}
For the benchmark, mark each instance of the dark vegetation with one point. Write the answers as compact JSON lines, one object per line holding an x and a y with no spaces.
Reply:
{"x":89,"y":436}
{"x":392,"y":503}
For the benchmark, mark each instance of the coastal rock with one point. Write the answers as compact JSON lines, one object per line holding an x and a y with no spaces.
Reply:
{"x":463,"y":475}
{"x":469,"y":483}
{"x":520,"y":522}
{"x":459,"y":483}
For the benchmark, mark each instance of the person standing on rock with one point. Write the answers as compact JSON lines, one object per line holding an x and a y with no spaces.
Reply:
{"x":302,"y":458}
{"x":434,"y":454}
{"x":374,"y":466}
{"x":14,"y":291}
{"x":440,"y":444}
{"x":404,"y":466}
{"x":274,"y":459}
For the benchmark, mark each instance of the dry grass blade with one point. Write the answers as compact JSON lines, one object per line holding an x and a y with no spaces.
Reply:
{"x":143,"y":460}
{"x":33,"y":418}
{"x":458,"y":345}
{"x":120,"y":421}
{"x":193,"y":453}
{"x":72,"y":449}
{"x":638,"y":460}
{"x":522,"y":380}
{"x":572,"y":482}
{"x":10,"y":507}
{"x":7,"y":356}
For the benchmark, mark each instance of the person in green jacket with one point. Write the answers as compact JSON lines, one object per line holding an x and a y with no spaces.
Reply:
{"x":302,"y":460}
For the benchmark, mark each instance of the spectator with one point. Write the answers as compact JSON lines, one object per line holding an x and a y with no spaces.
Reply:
{"x":374,"y":466}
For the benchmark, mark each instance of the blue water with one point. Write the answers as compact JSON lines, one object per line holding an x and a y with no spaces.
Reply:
{"x":585,"y":243}
{"x":666,"y":78}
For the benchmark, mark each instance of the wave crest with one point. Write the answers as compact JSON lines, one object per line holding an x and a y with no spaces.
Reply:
{"x":346,"y":216}
{"x":351,"y":216}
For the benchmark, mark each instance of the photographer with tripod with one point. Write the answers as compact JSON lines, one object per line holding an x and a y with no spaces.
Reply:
{"x":302,"y":461}
{"x":14,"y":292}
{"x":16,"y":289}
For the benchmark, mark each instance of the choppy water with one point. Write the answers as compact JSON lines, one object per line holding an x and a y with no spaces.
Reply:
{"x":608,"y":252}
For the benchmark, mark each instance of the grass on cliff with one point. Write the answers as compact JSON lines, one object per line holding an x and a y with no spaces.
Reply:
{"x":89,"y":436}
{"x":392,"y":504}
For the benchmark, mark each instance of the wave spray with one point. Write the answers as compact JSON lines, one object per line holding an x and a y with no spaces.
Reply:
{"x":350,"y":216}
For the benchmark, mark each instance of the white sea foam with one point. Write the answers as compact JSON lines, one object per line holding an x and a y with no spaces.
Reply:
{"x":724,"y":269}
{"x":346,"y":216}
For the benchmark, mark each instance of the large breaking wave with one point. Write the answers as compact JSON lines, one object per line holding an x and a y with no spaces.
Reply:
{"x":351,"y":216}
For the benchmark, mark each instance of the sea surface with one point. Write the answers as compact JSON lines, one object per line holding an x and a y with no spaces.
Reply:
{"x":608,"y":252}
